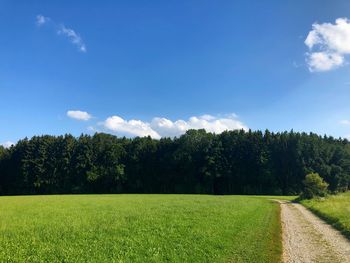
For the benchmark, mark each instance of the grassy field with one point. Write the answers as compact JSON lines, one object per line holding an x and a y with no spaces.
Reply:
{"x":334,"y":209}
{"x":139,"y":228}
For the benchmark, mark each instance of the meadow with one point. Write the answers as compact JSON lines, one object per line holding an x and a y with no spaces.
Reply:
{"x":335,"y":209}
{"x":139,"y":228}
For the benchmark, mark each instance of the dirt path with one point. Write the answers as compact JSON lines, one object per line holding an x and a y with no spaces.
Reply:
{"x":306,"y":238}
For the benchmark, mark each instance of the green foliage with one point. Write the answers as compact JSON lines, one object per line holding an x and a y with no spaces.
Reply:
{"x":139,"y":228}
{"x":335,"y":209}
{"x":314,"y":186}
{"x":233,"y":162}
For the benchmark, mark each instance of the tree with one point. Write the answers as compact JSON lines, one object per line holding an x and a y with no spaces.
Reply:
{"x":233,"y":162}
{"x":314,"y":186}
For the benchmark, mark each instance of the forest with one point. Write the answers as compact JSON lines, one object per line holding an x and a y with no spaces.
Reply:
{"x":233,"y":162}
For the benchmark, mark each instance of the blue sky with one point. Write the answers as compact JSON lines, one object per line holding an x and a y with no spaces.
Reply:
{"x":160,"y":67}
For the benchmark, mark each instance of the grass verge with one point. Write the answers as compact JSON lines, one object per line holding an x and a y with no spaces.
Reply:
{"x":335,"y":210}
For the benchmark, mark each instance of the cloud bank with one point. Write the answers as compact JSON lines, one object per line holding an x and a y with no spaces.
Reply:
{"x":328,"y":45}
{"x":79,"y":115}
{"x":131,"y":127}
{"x":7,"y":144}
{"x":162,"y":127}
{"x":62,"y":30}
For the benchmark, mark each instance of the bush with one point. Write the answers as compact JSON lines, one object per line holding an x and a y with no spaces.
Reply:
{"x":314,"y":186}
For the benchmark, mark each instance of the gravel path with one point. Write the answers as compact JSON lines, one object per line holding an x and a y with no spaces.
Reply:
{"x":306,"y":238}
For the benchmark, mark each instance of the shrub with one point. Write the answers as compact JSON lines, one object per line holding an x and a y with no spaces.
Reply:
{"x":314,"y":186}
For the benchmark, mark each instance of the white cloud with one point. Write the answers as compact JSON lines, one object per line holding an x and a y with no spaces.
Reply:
{"x":162,"y":127}
{"x":210,"y":123}
{"x":69,"y":33}
{"x":79,"y":115}
{"x":131,"y":127}
{"x":167,"y":128}
{"x":323,"y":61}
{"x":7,"y":144}
{"x":345,"y":122}
{"x":328,"y":44}
{"x":73,"y":37}
{"x":41,"y":20}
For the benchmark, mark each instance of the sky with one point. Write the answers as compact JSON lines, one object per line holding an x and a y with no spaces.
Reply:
{"x":158,"y":68}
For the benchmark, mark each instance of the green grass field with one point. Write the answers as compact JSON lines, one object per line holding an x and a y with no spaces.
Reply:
{"x":335,"y":209}
{"x":139,"y":228}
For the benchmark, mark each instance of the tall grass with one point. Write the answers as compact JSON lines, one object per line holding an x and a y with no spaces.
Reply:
{"x":335,"y":209}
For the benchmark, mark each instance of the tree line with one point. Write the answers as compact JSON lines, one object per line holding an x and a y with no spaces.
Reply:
{"x":233,"y":162}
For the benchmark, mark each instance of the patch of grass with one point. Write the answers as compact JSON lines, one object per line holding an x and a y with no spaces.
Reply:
{"x":334,"y":209}
{"x":139,"y":228}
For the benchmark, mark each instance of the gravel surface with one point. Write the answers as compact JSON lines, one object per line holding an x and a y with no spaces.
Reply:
{"x":306,"y":238}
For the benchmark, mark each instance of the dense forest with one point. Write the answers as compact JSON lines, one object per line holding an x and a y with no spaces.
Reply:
{"x":233,"y":162}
